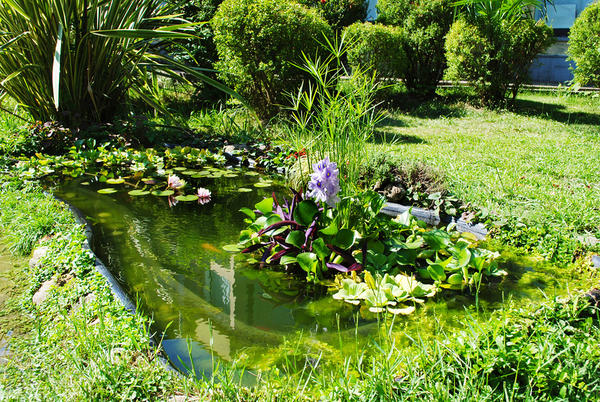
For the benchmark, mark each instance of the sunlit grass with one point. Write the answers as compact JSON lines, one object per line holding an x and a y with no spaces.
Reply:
{"x":538,"y":162}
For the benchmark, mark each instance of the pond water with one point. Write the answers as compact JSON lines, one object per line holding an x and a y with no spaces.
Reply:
{"x":208,"y":304}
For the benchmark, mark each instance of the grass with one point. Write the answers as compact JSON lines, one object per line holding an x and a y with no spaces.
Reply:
{"x":537,"y":163}
{"x":80,"y":347}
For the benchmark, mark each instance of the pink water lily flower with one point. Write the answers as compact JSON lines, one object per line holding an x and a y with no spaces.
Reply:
{"x":203,"y":195}
{"x":175,"y":182}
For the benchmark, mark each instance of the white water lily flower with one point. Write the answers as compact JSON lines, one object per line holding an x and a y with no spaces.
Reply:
{"x":203,"y":195}
{"x":175,"y":182}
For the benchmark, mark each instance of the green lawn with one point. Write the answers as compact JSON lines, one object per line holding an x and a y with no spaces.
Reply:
{"x":539,"y":162}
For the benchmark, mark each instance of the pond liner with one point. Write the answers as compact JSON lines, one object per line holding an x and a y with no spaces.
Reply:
{"x":433,"y":218}
{"x":114,"y":285}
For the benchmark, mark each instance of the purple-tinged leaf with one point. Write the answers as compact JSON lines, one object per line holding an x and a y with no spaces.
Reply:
{"x":342,"y":268}
{"x":278,"y":225}
{"x":310,"y":232}
{"x":277,"y":256}
{"x":266,"y":254}
{"x":254,"y":247}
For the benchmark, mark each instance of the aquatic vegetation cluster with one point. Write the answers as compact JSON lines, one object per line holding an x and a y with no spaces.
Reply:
{"x":389,"y":260}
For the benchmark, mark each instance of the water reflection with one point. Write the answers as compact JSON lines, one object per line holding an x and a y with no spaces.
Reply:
{"x":171,"y":259}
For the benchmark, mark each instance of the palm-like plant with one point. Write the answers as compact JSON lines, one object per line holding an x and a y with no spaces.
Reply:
{"x":77,"y":60}
{"x":507,"y":11}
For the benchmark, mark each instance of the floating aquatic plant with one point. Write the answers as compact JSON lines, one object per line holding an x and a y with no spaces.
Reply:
{"x":203,"y":195}
{"x":174,"y":182}
{"x":324,"y":184}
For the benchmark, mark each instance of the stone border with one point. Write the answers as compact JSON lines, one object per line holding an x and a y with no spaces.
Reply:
{"x":114,"y":285}
{"x":433,"y":218}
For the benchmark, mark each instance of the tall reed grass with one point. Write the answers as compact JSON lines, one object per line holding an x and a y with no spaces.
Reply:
{"x":333,"y":114}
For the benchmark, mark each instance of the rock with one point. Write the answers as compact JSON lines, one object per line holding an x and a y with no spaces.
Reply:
{"x":90,"y":297}
{"x":42,"y":293}
{"x":37,"y":255}
{"x":394,"y":193}
{"x":229,"y":149}
{"x":596,"y":261}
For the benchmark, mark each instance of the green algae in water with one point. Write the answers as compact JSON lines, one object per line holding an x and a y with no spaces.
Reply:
{"x":171,"y":256}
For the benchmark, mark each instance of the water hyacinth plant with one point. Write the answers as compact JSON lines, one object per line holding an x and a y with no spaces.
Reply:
{"x":324,"y":184}
{"x":392,"y":262}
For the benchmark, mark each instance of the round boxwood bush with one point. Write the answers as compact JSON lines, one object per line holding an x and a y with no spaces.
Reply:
{"x":339,"y":13}
{"x":377,"y":46}
{"x":584,"y":46}
{"x":494,"y":57}
{"x":259,"y":42}
{"x":425,"y":24}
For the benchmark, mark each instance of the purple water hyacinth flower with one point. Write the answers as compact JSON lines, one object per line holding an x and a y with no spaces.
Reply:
{"x":324,"y":183}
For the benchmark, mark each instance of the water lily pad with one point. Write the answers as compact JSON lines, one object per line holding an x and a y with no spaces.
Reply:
{"x":164,"y":193}
{"x":85,"y":183}
{"x":109,"y":190}
{"x":263,"y":184}
{"x":251,"y":173}
{"x":187,"y":198}
{"x":180,"y":168}
{"x":115,"y":181}
{"x":190,"y":172}
{"x":230,"y":176}
{"x":138,"y":192}
{"x":244,"y":190}
{"x":232,"y":248}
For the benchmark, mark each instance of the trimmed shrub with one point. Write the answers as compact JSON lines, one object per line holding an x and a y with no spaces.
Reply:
{"x":425,"y":24}
{"x":495,"y":58}
{"x":259,"y":42}
{"x":339,"y":13}
{"x":377,"y":46}
{"x":584,"y":46}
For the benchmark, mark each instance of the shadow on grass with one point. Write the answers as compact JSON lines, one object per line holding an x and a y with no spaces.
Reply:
{"x":380,"y":137}
{"x":448,"y":105}
{"x":552,"y":111}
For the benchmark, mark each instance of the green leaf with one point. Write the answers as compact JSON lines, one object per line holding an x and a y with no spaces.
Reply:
{"x":437,"y":272}
{"x":138,"y":192}
{"x":345,"y":239}
{"x":232,"y":248}
{"x":305,"y":212}
{"x":115,"y":181}
{"x":164,"y":193}
{"x":288,"y":259}
{"x":437,"y":239}
{"x":296,"y":238}
{"x":187,"y":198}
{"x":107,"y":191}
{"x":330,"y":230}
{"x":265,"y":206}
{"x":401,"y":309}
{"x":455,"y":279}
{"x":250,"y":213}
{"x":308,"y":262}
{"x":321,"y":249}
{"x":261,"y":184}
{"x":244,"y":190}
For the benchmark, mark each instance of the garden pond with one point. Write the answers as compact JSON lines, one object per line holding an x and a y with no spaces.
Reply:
{"x":208,"y":304}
